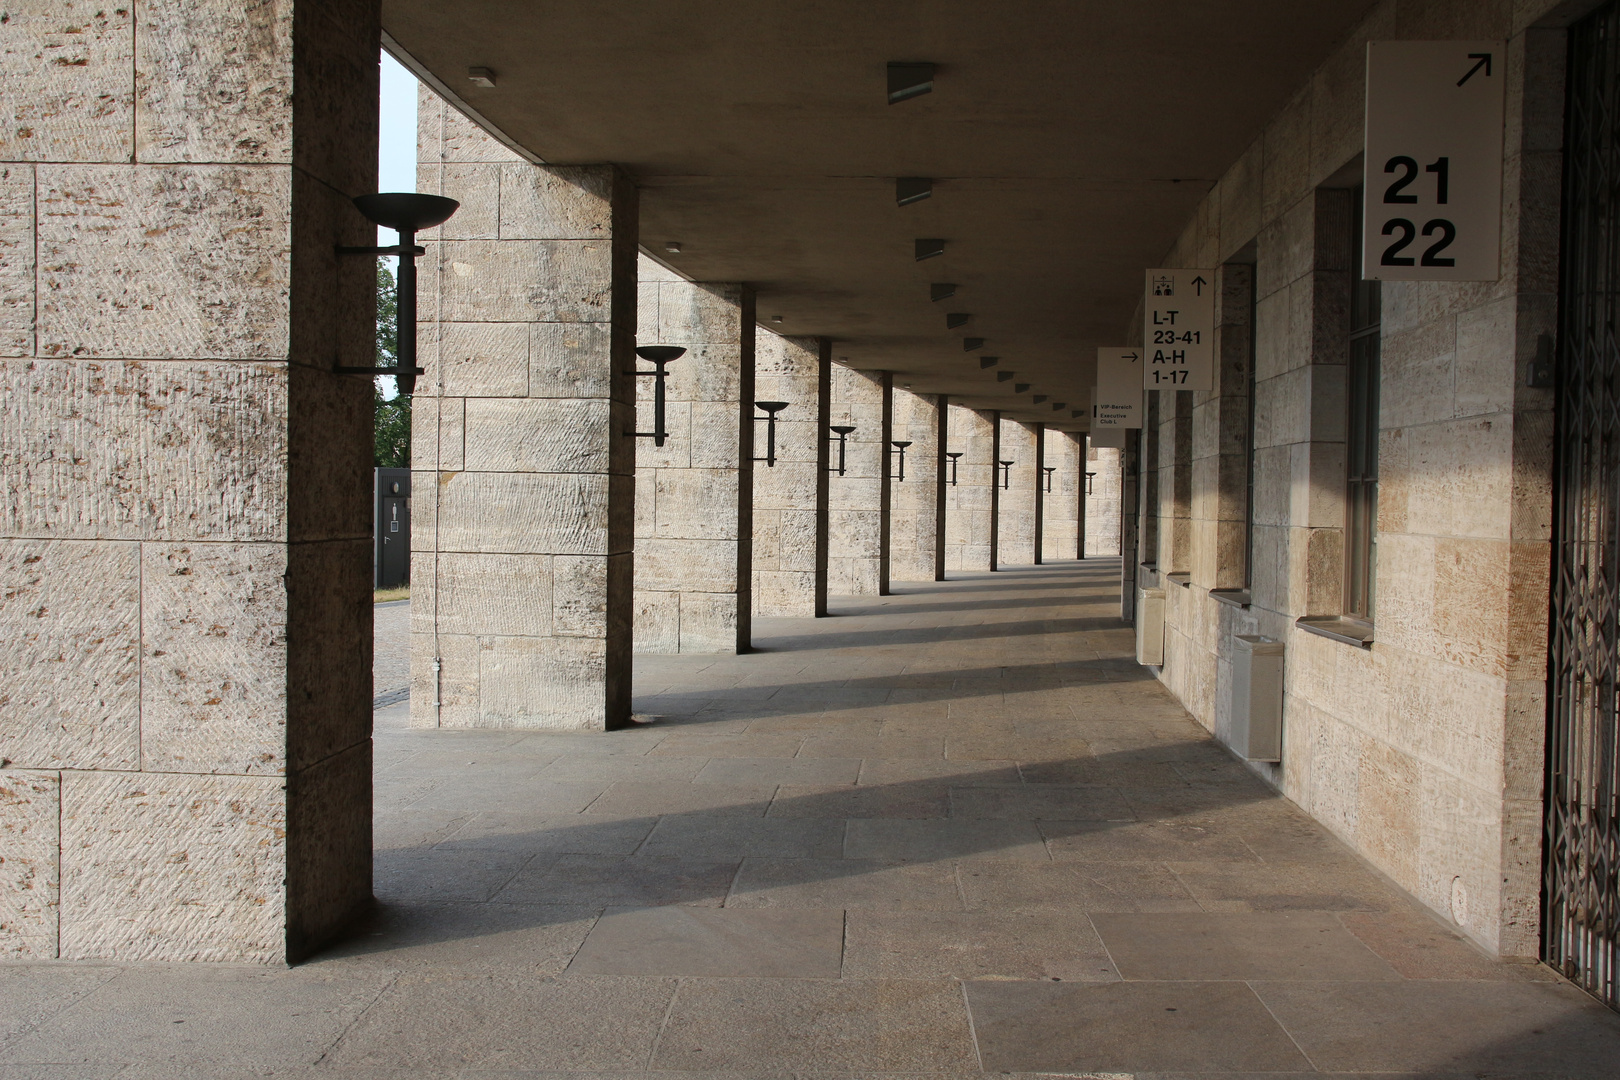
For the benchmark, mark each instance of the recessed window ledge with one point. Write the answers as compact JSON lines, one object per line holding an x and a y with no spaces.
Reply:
{"x":1338,"y":628}
{"x":1148,"y":575}
{"x":1180,"y":577}
{"x":1238,"y":598}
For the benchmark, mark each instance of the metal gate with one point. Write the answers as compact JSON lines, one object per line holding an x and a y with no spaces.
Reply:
{"x":1581,"y":895}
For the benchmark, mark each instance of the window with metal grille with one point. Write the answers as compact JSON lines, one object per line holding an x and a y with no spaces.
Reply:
{"x":1361,"y":437}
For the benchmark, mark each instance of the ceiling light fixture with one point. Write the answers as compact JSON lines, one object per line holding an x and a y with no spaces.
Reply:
{"x":672,"y":246}
{"x":941,"y":290}
{"x":927,"y":249}
{"x":910,"y":189}
{"x":988,"y":362}
{"x":776,"y":318}
{"x":1004,"y":376}
{"x":909,"y":79}
{"x":1019,"y":388}
{"x":955,"y":319}
{"x":1039,"y":398}
{"x":482,"y":76}
{"x":969,"y":344}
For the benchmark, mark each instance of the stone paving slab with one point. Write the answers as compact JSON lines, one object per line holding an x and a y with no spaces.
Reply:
{"x":951,"y":833}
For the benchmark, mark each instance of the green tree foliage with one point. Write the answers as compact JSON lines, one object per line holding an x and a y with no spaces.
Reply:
{"x":392,"y":417}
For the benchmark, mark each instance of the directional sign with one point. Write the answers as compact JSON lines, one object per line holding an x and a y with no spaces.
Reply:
{"x":1178,"y":330}
{"x":1432,"y":208}
{"x":1117,"y":401}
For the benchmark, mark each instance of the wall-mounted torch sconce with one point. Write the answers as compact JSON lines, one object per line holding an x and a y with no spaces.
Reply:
{"x":659,"y":355}
{"x":1006,"y":474}
{"x":900,"y":446}
{"x":1049,"y":470}
{"x":843,"y":431}
{"x":407,"y":213}
{"x":1089,"y":475}
{"x":771,"y":409}
{"x":954,"y":455}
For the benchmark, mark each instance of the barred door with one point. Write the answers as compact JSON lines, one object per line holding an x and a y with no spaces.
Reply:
{"x":1581,"y":899}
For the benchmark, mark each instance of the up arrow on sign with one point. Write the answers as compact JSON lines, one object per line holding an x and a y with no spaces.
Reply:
{"x":1432,"y":207}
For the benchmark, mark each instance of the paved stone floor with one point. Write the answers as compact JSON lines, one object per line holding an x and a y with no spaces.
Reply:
{"x":951,"y":832}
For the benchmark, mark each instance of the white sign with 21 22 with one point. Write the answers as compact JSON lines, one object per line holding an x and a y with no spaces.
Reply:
{"x":1432,"y":208}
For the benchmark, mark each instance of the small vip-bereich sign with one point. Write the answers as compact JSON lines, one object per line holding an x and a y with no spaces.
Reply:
{"x":1117,"y":401}
{"x":1432,"y":204}
{"x":1178,"y":330}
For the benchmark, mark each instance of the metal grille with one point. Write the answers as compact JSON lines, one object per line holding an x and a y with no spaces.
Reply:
{"x":1581,"y":901}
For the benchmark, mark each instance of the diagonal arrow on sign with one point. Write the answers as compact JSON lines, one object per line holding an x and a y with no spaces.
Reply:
{"x":1484,"y":59}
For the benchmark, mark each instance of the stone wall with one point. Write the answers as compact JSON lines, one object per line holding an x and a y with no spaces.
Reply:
{"x":694,"y":494}
{"x":522,"y":469}
{"x":185,"y":750}
{"x":1103,"y":509}
{"x":857,"y":502}
{"x":790,"y":499}
{"x":1015,"y":517}
{"x":1060,"y":522}
{"x":969,"y":521}
{"x":914,"y":502}
{"x":1423,"y":751}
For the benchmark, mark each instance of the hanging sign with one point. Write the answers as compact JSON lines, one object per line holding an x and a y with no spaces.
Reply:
{"x":1108,"y":438}
{"x":1117,"y":400}
{"x":1178,"y":330}
{"x":1432,"y":204}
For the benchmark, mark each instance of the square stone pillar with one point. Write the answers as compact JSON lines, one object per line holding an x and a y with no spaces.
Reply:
{"x":694,"y":494}
{"x":523,"y":484}
{"x":914,"y":501}
{"x":790,"y":499}
{"x":969,"y":521}
{"x":1061,"y":537}
{"x":1015,"y":519}
{"x":857,"y":501}
{"x":1105,"y":514}
{"x":1040,"y":491}
{"x":185,"y":600}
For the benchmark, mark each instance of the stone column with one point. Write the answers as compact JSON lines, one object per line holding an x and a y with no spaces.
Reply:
{"x":914,"y":502}
{"x":968,"y":525}
{"x":1220,"y":463}
{"x":185,"y":603}
{"x":856,"y":501}
{"x":1061,"y":533}
{"x":1175,"y":481}
{"x":790,"y":499}
{"x":1040,"y":494}
{"x":995,"y":489}
{"x":523,"y":482}
{"x":1017,"y":498}
{"x":694,"y":500}
{"x":1130,"y":520}
{"x":1104,"y":507}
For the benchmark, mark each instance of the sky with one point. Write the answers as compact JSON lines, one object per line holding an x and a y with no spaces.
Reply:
{"x":396,"y":143}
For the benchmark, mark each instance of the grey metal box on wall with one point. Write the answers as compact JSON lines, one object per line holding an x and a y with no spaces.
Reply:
{"x":1257,"y":697}
{"x":391,"y":528}
{"x":1150,"y":627}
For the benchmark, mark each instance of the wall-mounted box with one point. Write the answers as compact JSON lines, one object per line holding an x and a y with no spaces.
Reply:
{"x":1257,"y":697}
{"x":1150,"y":627}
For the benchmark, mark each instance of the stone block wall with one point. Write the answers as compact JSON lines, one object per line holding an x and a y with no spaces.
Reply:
{"x":858,"y":501}
{"x":970,"y":523}
{"x":694,"y":494}
{"x":522,"y":469}
{"x":790,"y":499}
{"x":914,"y":502}
{"x":185,"y":740}
{"x":1424,"y":750}
{"x":1061,"y":521}
{"x":1018,"y":494}
{"x":1103,"y":504}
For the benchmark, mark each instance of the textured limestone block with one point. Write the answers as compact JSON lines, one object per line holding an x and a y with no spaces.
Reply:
{"x":542,"y":683}
{"x":444,"y":135}
{"x":16,"y":260}
{"x":168,"y":866}
{"x":579,"y":595}
{"x":497,"y":281}
{"x":214,"y":82}
{"x":537,"y":435}
{"x":488,"y":594}
{"x":478,"y":189}
{"x":679,"y":565}
{"x":479,"y":359}
{"x":570,"y":360}
{"x":70,"y":669}
{"x":543,"y":203}
{"x":30,"y":807}
{"x":70,"y":448}
{"x":657,"y":621}
{"x":708,"y":622}
{"x":438,"y":441}
{"x":447,"y":696}
{"x":329,"y":848}
{"x":67,"y":81}
{"x":214,"y":451}
{"x":214,"y":643}
{"x":696,"y":504}
{"x":715,"y":439}
{"x":533,"y":513}
{"x":149,"y":262}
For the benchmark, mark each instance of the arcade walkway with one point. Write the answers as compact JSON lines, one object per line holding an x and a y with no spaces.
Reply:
{"x":951,"y":831}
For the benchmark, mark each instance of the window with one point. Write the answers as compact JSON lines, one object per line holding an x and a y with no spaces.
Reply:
{"x":1361,"y":449}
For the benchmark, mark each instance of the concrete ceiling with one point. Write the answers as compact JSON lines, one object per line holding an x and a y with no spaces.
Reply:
{"x":1069,"y":140}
